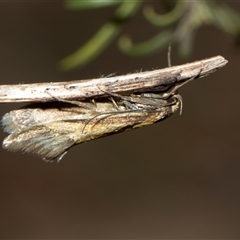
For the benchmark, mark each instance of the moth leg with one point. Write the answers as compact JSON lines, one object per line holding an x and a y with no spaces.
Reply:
{"x":93,"y":102}
{"x":80,"y":104}
{"x":115,"y":94}
{"x":130,"y":101}
{"x":130,"y":105}
{"x":125,"y":99}
{"x":114,"y":103}
{"x":176,"y":87}
{"x":169,"y":93}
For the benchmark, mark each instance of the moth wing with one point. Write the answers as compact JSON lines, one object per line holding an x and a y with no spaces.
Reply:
{"x":39,"y":114}
{"x":42,"y":131}
{"x":40,"y":140}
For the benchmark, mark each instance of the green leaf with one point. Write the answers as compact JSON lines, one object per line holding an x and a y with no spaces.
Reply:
{"x":167,"y":18}
{"x":90,"y":49}
{"x":102,"y":38}
{"x":226,"y":18}
{"x":157,"y":43}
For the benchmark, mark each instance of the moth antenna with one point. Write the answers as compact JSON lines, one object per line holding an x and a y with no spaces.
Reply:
{"x":109,"y":113}
{"x":169,"y":54}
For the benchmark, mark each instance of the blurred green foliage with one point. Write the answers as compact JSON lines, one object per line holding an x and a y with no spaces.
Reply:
{"x":178,"y":24}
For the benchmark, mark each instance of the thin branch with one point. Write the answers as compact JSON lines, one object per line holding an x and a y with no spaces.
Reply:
{"x":94,"y":88}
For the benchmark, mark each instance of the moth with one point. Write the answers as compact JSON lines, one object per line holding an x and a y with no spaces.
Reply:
{"x":49,"y":129}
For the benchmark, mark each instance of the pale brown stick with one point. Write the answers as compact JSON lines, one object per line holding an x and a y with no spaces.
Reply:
{"x":84,"y":89}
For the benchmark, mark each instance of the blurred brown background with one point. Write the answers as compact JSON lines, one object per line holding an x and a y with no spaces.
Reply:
{"x":175,"y":179}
